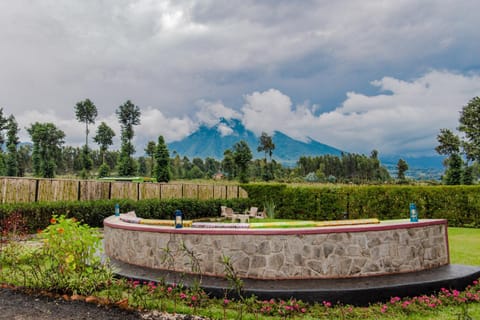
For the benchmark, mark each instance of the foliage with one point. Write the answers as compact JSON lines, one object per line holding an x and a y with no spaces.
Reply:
{"x":402,"y":167}
{"x":12,"y":165}
{"x":349,"y":167}
{"x":47,"y":141}
{"x":242,"y":155}
{"x":470,"y":125}
{"x":162,"y":162}
{"x":86,"y":112}
{"x":104,"y":138}
{"x":71,"y":249}
{"x":129,"y":115}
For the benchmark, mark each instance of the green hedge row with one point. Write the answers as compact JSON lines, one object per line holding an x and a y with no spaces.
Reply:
{"x":459,"y":204}
{"x":38,"y":214}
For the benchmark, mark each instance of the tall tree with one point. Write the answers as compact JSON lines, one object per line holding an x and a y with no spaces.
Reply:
{"x":266,"y":145}
{"x":228,"y":164}
{"x":449,"y":145}
{"x":129,"y":115}
{"x":12,"y":142}
{"x":162,"y":161}
{"x":104,"y":138}
{"x":86,"y":112}
{"x":470,"y":126}
{"x":402,"y":167}
{"x":242,"y":155}
{"x":47,"y":141}
{"x":150,"y":151}
{"x":3,"y":124}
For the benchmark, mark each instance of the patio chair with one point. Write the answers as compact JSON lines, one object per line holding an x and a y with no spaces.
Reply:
{"x":252,"y":213}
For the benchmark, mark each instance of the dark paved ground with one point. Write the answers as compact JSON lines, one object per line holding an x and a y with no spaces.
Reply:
{"x":17,"y":305}
{"x":355,"y":291}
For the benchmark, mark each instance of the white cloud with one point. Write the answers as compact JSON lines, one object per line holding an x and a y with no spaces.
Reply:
{"x":210,"y":112}
{"x":404,"y":119}
{"x":154,"y":123}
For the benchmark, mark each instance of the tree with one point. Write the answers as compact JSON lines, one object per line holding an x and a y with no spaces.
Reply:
{"x":402,"y":167}
{"x":228,"y":164}
{"x":162,"y":161}
{"x":266,"y":145}
{"x":449,"y":144}
{"x":242,"y":155}
{"x":104,"y":138}
{"x":453,"y":175}
{"x":470,"y":126}
{"x":129,"y":115}
{"x":12,"y":142}
{"x":142,"y":166}
{"x":86,"y":112}
{"x":47,"y":141}
{"x":150,"y":151}
{"x":3,"y":124}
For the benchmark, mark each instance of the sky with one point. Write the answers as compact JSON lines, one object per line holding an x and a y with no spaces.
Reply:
{"x":357,"y":75}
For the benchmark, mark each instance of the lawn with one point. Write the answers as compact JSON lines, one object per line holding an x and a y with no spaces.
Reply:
{"x":464,"y":246}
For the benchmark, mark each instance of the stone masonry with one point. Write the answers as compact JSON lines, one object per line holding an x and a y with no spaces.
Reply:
{"x":339,"y":254}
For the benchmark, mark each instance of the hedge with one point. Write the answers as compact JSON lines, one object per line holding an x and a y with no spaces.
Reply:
{"x":460,"y":205}
{"x":37,"y":215}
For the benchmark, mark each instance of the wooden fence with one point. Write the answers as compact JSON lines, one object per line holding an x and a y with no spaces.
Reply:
{"x":34,"y":189}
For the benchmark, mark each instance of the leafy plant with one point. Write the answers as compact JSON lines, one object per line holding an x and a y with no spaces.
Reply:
{"x":269,"y":206}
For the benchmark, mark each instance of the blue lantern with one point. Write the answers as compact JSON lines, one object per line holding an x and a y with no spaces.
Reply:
{"x":117,"y":210}
{"x":178,"y":219}
{"x":413,"y":213}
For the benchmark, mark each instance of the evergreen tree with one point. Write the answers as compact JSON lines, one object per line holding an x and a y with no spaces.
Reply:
{"x":453,"y":175}
{"x":104,"y":138}
{"x":228,"y":164}
{"x":402,"y":167}
{"x":142,"y":166}
{"x":47,"y":141}
{"x":12,"y":142}
{"x":242,"y":155}
{"x":129,"y":115}
{"x":162,"y":161}
{"x":150,"y":151}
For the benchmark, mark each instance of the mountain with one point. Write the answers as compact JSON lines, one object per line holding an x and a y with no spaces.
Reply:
{"x":213,"y":141}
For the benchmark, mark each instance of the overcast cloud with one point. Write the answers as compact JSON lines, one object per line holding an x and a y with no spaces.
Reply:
{"x":358,"y":75}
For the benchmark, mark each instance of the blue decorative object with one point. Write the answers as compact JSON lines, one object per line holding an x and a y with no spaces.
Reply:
{"x":117,"y":210}
{"x":413,"y":213}
{"x":178,"y":219}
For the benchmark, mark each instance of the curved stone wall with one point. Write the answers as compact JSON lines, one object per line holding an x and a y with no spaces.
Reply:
{"x":300,"y":253}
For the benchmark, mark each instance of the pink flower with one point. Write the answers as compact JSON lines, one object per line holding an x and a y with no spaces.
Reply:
{"x":384,"y":308}
{"x":226,"y":301}
{"x":327,"y":304}
{"x":393,"y":300}
{"x":303,"y":310}
{"x":183,"y":295}
{"x":456,"y":293}
{"x":169,"y":289}
{"x":194,"y":298}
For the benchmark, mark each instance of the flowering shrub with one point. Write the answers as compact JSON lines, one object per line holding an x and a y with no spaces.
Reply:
{"x":71,"y":257}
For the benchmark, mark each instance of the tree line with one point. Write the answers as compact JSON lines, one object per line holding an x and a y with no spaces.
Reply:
{"x":48,"y":156}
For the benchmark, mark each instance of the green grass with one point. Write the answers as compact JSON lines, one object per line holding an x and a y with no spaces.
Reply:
{"x":464,"y":246}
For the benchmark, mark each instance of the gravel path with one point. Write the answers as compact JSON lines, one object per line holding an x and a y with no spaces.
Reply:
{"x":16,"y":305}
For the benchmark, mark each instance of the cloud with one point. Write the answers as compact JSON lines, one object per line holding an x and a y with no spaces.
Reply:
{"x":404,"y":117}
{"x":209,"y":112}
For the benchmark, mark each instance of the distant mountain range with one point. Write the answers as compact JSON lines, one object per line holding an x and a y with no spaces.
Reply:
{"x":213,"y":141}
